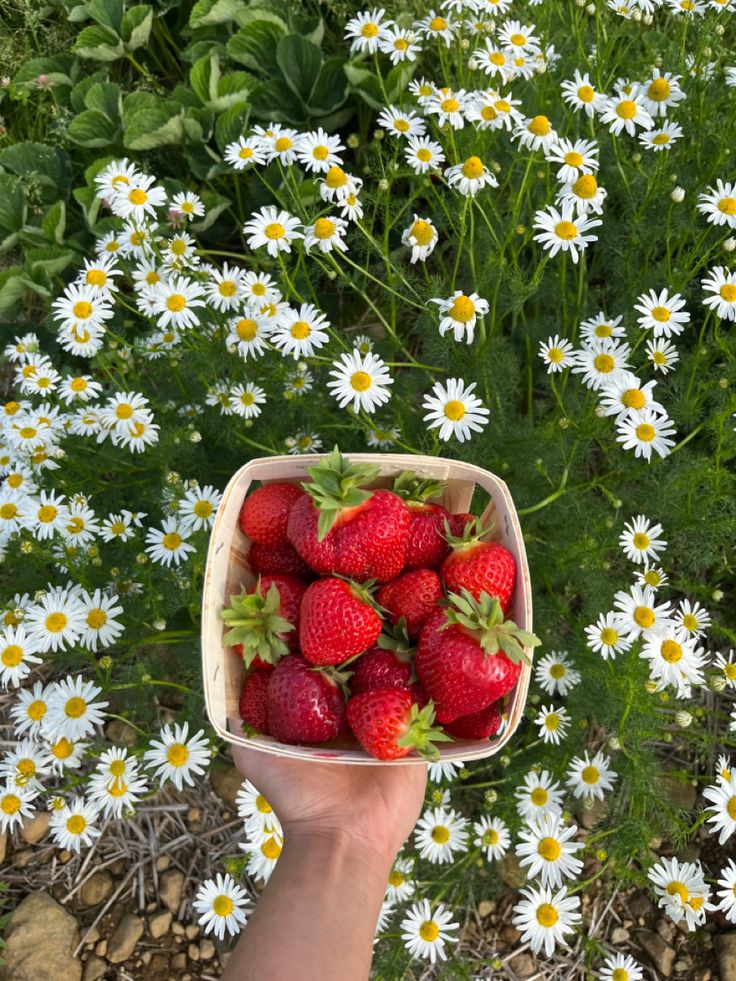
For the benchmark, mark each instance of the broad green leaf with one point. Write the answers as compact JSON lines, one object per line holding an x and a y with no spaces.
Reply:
{"x":13,"y":207}
{"x":54,"y":222}
{"x":203,"y":77}
{"x":93,"y":128}
{"x":232,"y":89}
{"x":231,"y":124}
{"x":58,"y":70}
{"x":397,"y":80}
{"x":48,"y":163}
{"x":255,"y":47}
{"x":79,"y":93}
{"x":89,"y":203}
{"x":51,"y":261}
{"x":275,"y":101}
{"x":135,"y":27}
{"x":150,"y":128}
{"x":109,"y":13}
{"x":247,"y":15}
{"x":99,"y":44}
{"x":12,"y":288}
{"x":208,"y":12}
{"x":300,"y":63}
{"x":202,"y":162}
{"x":331,"y":89}
{"x":105,"y":98}
{"x":214,"y":205}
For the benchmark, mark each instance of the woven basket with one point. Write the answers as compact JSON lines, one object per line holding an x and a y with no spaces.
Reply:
{"x":227,"y":569}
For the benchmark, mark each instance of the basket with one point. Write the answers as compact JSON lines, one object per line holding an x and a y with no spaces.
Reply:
{"x":227,"y":569}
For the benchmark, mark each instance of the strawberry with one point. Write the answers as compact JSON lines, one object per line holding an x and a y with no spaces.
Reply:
{"x":458,"y":522}
{"x":379,"y":668}
{"x":265,"y":512}
{"x":339,"y":527}
{"x":304,"y":704}
{"x":337,"y":621}
{"x":264,"y":622}
{"x":252,"y":707}
{"x":479,"y":566}
{"x":278,"y":560}
{"x":427,"y":545}
{"x":468,"y":656}
{"x":479,"y":725}
{"x":388,"y":724}
{"x":412,"y":596}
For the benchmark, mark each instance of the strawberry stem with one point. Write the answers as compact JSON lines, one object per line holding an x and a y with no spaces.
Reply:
{"x":483,"y":620}
{"x":255,"y":622}
{"x":421,"y":736}
{"x":336,"y":486}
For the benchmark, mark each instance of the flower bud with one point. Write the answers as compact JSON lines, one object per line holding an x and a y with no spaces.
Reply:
{"x":716,"y":682}
{"x":97,"y":562}
{"x":614,"y":743}
{"x":636,"y":157}
{"x":678,"y":195}
{"x":464,"y":44}
{"x":720,"y":30}
{"x":648,"y":20}
{"x":105,"y":662}
{"x":504,"y":761}
{"x":141,"y":558}
{"x":723,"y":382}
{"x":636,"y":16}
{"x":195,"y":437}
{"x":601,"y":854}
{"x":650,"y":686}
{"x":353,"y":141}
{"x":729,"y":245}
{"x":717,"y":595}
{"x":383,"y":184}
{"x":159,"y":624}
{"x":590,"y":10}
{"x":707,"y":51}
{"x":683,"y":719}
{"x":490,"y":797}
{"x":378,"y":135}
{"x":472,"y":65}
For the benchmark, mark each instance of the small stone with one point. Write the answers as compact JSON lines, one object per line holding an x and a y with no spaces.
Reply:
{"x":3,"y":845}
{"x":640,"y":904}
{"x":117,"y":867}
{"x":64,"y":856}
{"x":95,"y":968}
{"x":163,"y":862}
{"x":119,"y":732}
{"x":186,"y":977}
{"x":206,"y":950}
{"x":485,"y":908}
{"x":34,"y":829}
{"x":192,"y":931}
{"x":21,"y":857}
{"x":666,"y":929}
{"x":619,"y":935}
{"x":178,"y":929}
{"x":509,"y":935}
{"x":725,"y":946}
{"x":101,"y":948}
{"x":178,"y":961}
{"x":226,"y":783}
{"x":150,"y":907}
{"x":690,"y":853}
{"x":523,"y":965}
{"x":194,"y":819}
{"x":193,"y":952}
{"x":97,"y":889}
{"x":511,"y":871}
{"x":678,"y":792}
{"x":40,"y":939}
{"x":170,"y":888}
{"x":659,"y":953}
{"x":91,"y":937}
{"x":146,"y":957}
{"x":590,"y":816}
{"x":160,"y":923}
{"x":158,"y":966}
{"x":123,"y":941}
{"x":681,"y":966}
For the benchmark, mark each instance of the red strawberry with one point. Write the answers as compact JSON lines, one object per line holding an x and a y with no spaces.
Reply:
{"x":336,"y":622}
{"x":304,"y":704}
{"x":427,"y":545}
{"x":278,"y":560}
{"x":458,"y":522}
{"x":480,"y":725}
{"x":337,"y":527}
{"x":479,"y":566}
{"x":265,"y":512}
{"x":412,"y":596}
{"x":379,"y":668}
{"x":388,"y":724}
{"x":468,"y":656}
{"x":253,"y":708}
{"x":264,"y":622}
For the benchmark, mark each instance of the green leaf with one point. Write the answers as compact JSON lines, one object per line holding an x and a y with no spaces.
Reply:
{"x":92,"y":128}
{"x":51,"y":261}
{"x":231,"y":89}
{"x":204,"y":75}
{"x":79,"y":93}
{"x":13,"y":208}
{"x":104,"y":97}
{"x":231,"y":124}
{"x":247,"y":15}
{"x":54,"y":222}
{"x":98,"y":44}
{"x":205,"y":13}
{"x":150,"y":127}
{"x":135,"y":27}
{"x":46,"y":163}
{"x":366,"y":84}
{"x":12,"y":288}
{"x":331,"y":88}
{"x":275,"y":101}
{"x":300,"y":63}
{"x":215,"y":204}
{"x":255,"y":46}
{"x":109,"y":13}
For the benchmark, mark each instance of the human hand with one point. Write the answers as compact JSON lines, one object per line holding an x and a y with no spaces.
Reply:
{"x":374,"y":806}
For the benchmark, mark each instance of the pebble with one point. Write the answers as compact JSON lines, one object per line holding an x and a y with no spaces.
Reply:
{"x":160,"y":923}
{"x":485,"y":908}
{"x":91,"y":937}
{"x":666,"y":930}
{"x":97,"y":889}
{"x":509,"y":935}
{"x":511,"y":871}
{"x":660,"y":954}
{"x":170,"y":888}
{"x":34,"y":829}
{"x":226,"y":783}
{"x":178,"y":961}
{"x":95,"y":968}
{"x":163,"y":862}
{"x":3,"y":845}
{"x":146,"y":957}
{"x":640,"y":904}
{"x":123,"y":941}
{"x":619,"y":935}
{"x":40,"y":936}
{"x":193,"y":952}
{"x":178,"y":929}
{"x":523,"y":965}
{"x":725,"y":945}
{"x":119,"y":732}
{"x":101,"y":948}
{"x":192,"y":931}
{"x":206,"y":950}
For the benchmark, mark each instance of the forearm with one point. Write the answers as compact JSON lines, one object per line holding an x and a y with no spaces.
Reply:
{"x":316,"y":918}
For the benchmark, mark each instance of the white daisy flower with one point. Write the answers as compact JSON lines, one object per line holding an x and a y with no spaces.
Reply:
{"x":15,"y":805}
{"x":198,"y":508}
{"x":115,"y":797}
{"x":719,"y":204}
{"x":27,"y":763}
{"x":434,"y":25}
{"x":300,"y":332}
{"x":449,"y":107}
{"x":492,"y":837}
{"x":256,"y":812}
{"x":662,"y":355}
{"x":460,"y":314}
{"x":362,"y":380}
{"x":281,"y":145}
{"x":673,"y":657}
{"x":682,"y":890}
{"x":100,"y":626}
{"x":625,"y":111}
{"x":221,"y":904}
{"x":555,"y":674}
{"x":400,"y":885}
{"x":584,"y":195}
{"x":72,"y":826}
{"x":692,"y":617}
{"x":492,"y":110}
{"x":187,"y":203}
{"x":82,"y":309}
{"x":137,"y":198}
{"x":661,"y":93}
{"x":494,"y":60}
{"x":350,"y":206}
{"x":624,"y":396}
{"x":455,"y":410}
{"x":177,"y":757}
{"x":727,"y":892}
{"x":384,"y":916}
{"x":272,"y":228}
{"x":661,"y":137}
{"x":71,"y":709}
{"x":175,"y":300}
{"x":546,"y":848}
{"x":580,"y":93}
{"x":425,"y":932}
{"x":601,"y":362}
{"x":400,"y":44}
{"x":245,"y":152}
{"x":723,"y":807}
{"x":646,"y":431}
{"x":56,"y":621}
{"x":80,"y":388}
{"x":169,"y":543}
{"x":402,"y":123}
{"x":17,"y":655}
{"x":470,"y":176}
{"x":721,"y":283}
{"x":578,"y":158}
{"x":641,"y":617}
{"x":536,"y":133}
{"x":608,"y":635}
{"x":590,"y":778}
{"x":557,"y":353}
{"x":317,"y":151}
{"x":620,"y":967}
{"x":545,"y":917}
{"x":260,"y":288}
{"x":444,"y":770}
{"x":381,"y":438}
{"x":564,"y":230}
{"x":538,"y":794}
{"x":640,"y":540}
{"x":224,"y":290}
{"x":248,"y":333}
{"x":600,"y":328}
{"x":439,"y":834}
{"x":326,"y":234}
{"x":423,"y":154}
{"x":29,"y":708}
{"x":662,"y":313}
{"x":727,"y":664}
{"x":654,"y":577}
{"x":422,"y":237}
{"x":553,"y":723}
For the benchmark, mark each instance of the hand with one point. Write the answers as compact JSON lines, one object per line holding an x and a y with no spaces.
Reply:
{"x":374,"y":806}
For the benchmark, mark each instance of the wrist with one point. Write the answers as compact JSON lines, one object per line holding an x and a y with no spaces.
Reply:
{"x":339,"y":844}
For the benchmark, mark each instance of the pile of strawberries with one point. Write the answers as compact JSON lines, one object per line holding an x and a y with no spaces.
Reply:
{"x":374,"y":611}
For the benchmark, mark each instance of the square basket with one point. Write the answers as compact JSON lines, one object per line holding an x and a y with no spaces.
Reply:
{"x":227,"y":569}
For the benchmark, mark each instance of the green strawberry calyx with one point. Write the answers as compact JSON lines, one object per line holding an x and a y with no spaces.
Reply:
{"x":255,"y":622}
{"x":336,"y":674}
{"x":395,"y":638}
{"x":420,"y":734}
{"x":473,"y":532}
{"x":415,"y":489}
{"x":337,"y":485}
{"x":483,"y":620}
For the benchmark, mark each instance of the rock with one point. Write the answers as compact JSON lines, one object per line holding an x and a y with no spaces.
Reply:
{"x":678,"y":792}
{"x":178,"y":961}
{"x":101,"y":948}
{"x":123,"y":942}
{"x":659,"y":953}
{"x":40,"y":940}
{"x":170,"y":888}
{"x":486,"y":907}
{"x":91,"y":937}
{"x":509,"y":935}
{"x":640,"y":904}
{"x":192,"y":931}
{"x":511,"y":872}
{"x":21,"y":857}
{"x":690,"y":853}
{"x":178,"y":929}
{"x":119,"y":732}
{"x":159,"y":965}
{"x":33,"y":829}
{"x":619,"y":935}
{"x":523,"y":965}
{"x":95,"y":968}
{"x":666,"y":930}
{"x":162,"y":863}
{"x":725,"y":946}
{"x":226,"y":783}
{"x":160,"y":923}
{"x":3,"y":845}
{"x":117,"y":867}
{"x":206,"y":950}
{"x":97,"y":889}
{"x":193,"y":952}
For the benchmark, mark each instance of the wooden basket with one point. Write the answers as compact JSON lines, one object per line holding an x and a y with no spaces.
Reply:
{"x":227,"y":568}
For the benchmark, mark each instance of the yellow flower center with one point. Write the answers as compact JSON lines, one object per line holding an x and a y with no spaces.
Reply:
{"x":555,"y":355}
{"x":82,"y":310}
{"x":203,"y":509}
{"x":727,"y":206}
{"x":539,"y":796}
{"x":12,"y":656}
{"x":518,"y":39}
{"x":360,"y":381}
{"x":422,"y":232}
{"x":76,"y":824}
{"x":690,"y":622}
{"x":177,"y":755}
{"x":730,"y":671}
{"x":8,"y":511}
{"x":75,"y":526}
{"x":14,"y":480}
{"x":246,"y":329}
{"x":731,"y":808}
{"x":262,"y":804}
{"x":671,"y":651}
{"x":171,"y":540}
{"x":641,"y":540}
{"x":78,"y":384}
{"x":590,"y":775}
{"x":652,"y":578}
{"x":137,"y":196}
{"x":661,"y":138}
{"x":56,"y":622}
{"x":75,"y":707}
{"x":26,"y":769}
{"x":300,"y":330}
{"x":324,"y":228}
{"x":117,"y":768}
{"x":274,"y":231}
{"x":62,"y":749}
{"x":222,"y":906}
{"x":245,"y":152}
{"x":247,"y":398}
{"x":566,"y":230}
{"x":552,"y":721}
{"x":728,"y":292}
{"x":96,"y":618}
{"x":152,"y":278}
{"x":473,"y":168}
{"x":502,"y":105}
{"x":336,"y":177}
{"x":695,"y":902}
{"x":498,"y":58}
{"x":558,"y":671}
{"x":438,"y":24}
{"x":320,"y":152}
{"x":585,"y":187}
{"x":47,"y":513}
{"x":282,"y":144}
{"x":440,"y":834}
{"x":608,"y":636}
{"x":645,"y":432}
{"x":488,"y":113}
{"x":573,"y":159}
{"x":10,"y":804}
{"x":620,"y":974}
{"x":396,"y":878}
{"x":178,"y":246}
{"x":454,"y":410}
{"x":462,"y":309}
{"x":626,"y":109}
{"x":661,"y":314}
{"x":547,"y":915}
{"x":539,"y":126}
{"x":36,"y":710}
{"x":676,"y":888}
{"x":429,"y":931}
{"x":227,"y":287}
{"x":271,"y":849}
{"x":176,"y":302}
{"x":118,"y":789}
{"x":659,"y":90}
{"x":604,"y":363}
{"x":401,"y":44}
{"x":450,"y":105}
{"x":644,"y":616}
{"x":424,"y":155}
{"x":549,"y":849}
{"x":369,"y":30}
{"x":633,"y":398}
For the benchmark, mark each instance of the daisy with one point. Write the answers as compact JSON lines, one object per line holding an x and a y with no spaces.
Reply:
{"x":601,"y":327}
{"x":455,"y":410}
{"x":563,"y":230}
{"x":554,"y":673}
{"x":682,"y":890}
{"x":300,"y":332}
{"x":444,"y":770}
{"x":400,"y":44}
{"x":245,"y":152}
{"x":72,"y":711}
{"x":584,"y":194}
{"x":425,"y":932}
{"x":187,"y":203}
{"x":494,"y":60}
{"x":439,"y":834}
{"x":198,"y":508}
{"x":625,"y":111}
{"x":436,"y":26}
{"x":536,"y":133}
{"x":422,"y":89}
{"x":538,"y":795}
{"x":601,"y":362}
{"x":719,"y":204}
{"x":663,"y":355}
{"x":653,"y":577}
{"x":29,"y":708}
{"x":15,"y":805}
{"x":246,"y":400}
{"x":491,"y":836}
{"x":662,"y":313}
{"x":25,"y":765}
{"x":590,"y":778}
{"x":260,"y":288}
{"x":580,"y":93}
{"x":66,"y":755}
{"x":175,"y":300}
{"x":281,"y":145}
{"x":422,"y":236}
{"x":326,"y":234}
{"x":180,"y":253}
{"x":557,"y":353}
{"x":624,"y":395}
{"x":461,"y":313}
{"x":401,"y":123}
{"x":247,"y":335}
{"x":80,"y":388}
{"x":298,"y":382}
{"x":317,"y":151}
{"x":362,"y":380}
{"x":224,"y":290}
{"x":448,"y":106}
{"x":250,"y":803}
{"x":577,"y":157}
{"x":263,"y":854}
{"x":645,"y":431}
{"x":15,"y":512}
{"x":221,"y":903}
{"x":273,"y":228}
{"x":400,"y":885}
{"x":17,"y":655}
{"x":546,"y":848}
{"x":384,"y":916}
{"x":350,"y":206}
{"x":723,"y":805}
{"x":661,"y":137}
{"x":177,"y":757}
{"x":620,"y":967}
{"x":82,"y":308}
{"x":553,"y":723}
{"x":726,"y":664}
{"x":672,"y":657}
{"x":518,"y":37}
{"x":692,"y":617}
{"x":72,"y":825}
{"x":641,"y":617}
{"x":640,"y":540}
{"x":381,"y":438}
{"x":727,"y":902}
{"x":169,"y":543}
{"x":137,"y":198}
{"x":423,"y":154}
{"x":470,"y":177}
{"x":661,"y":92}
{"x":608,"y":636}
{"x":721,"y":283}
{"x":545,"y":917}
{"x":56,"y":621}
{"x":114,"y":771}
